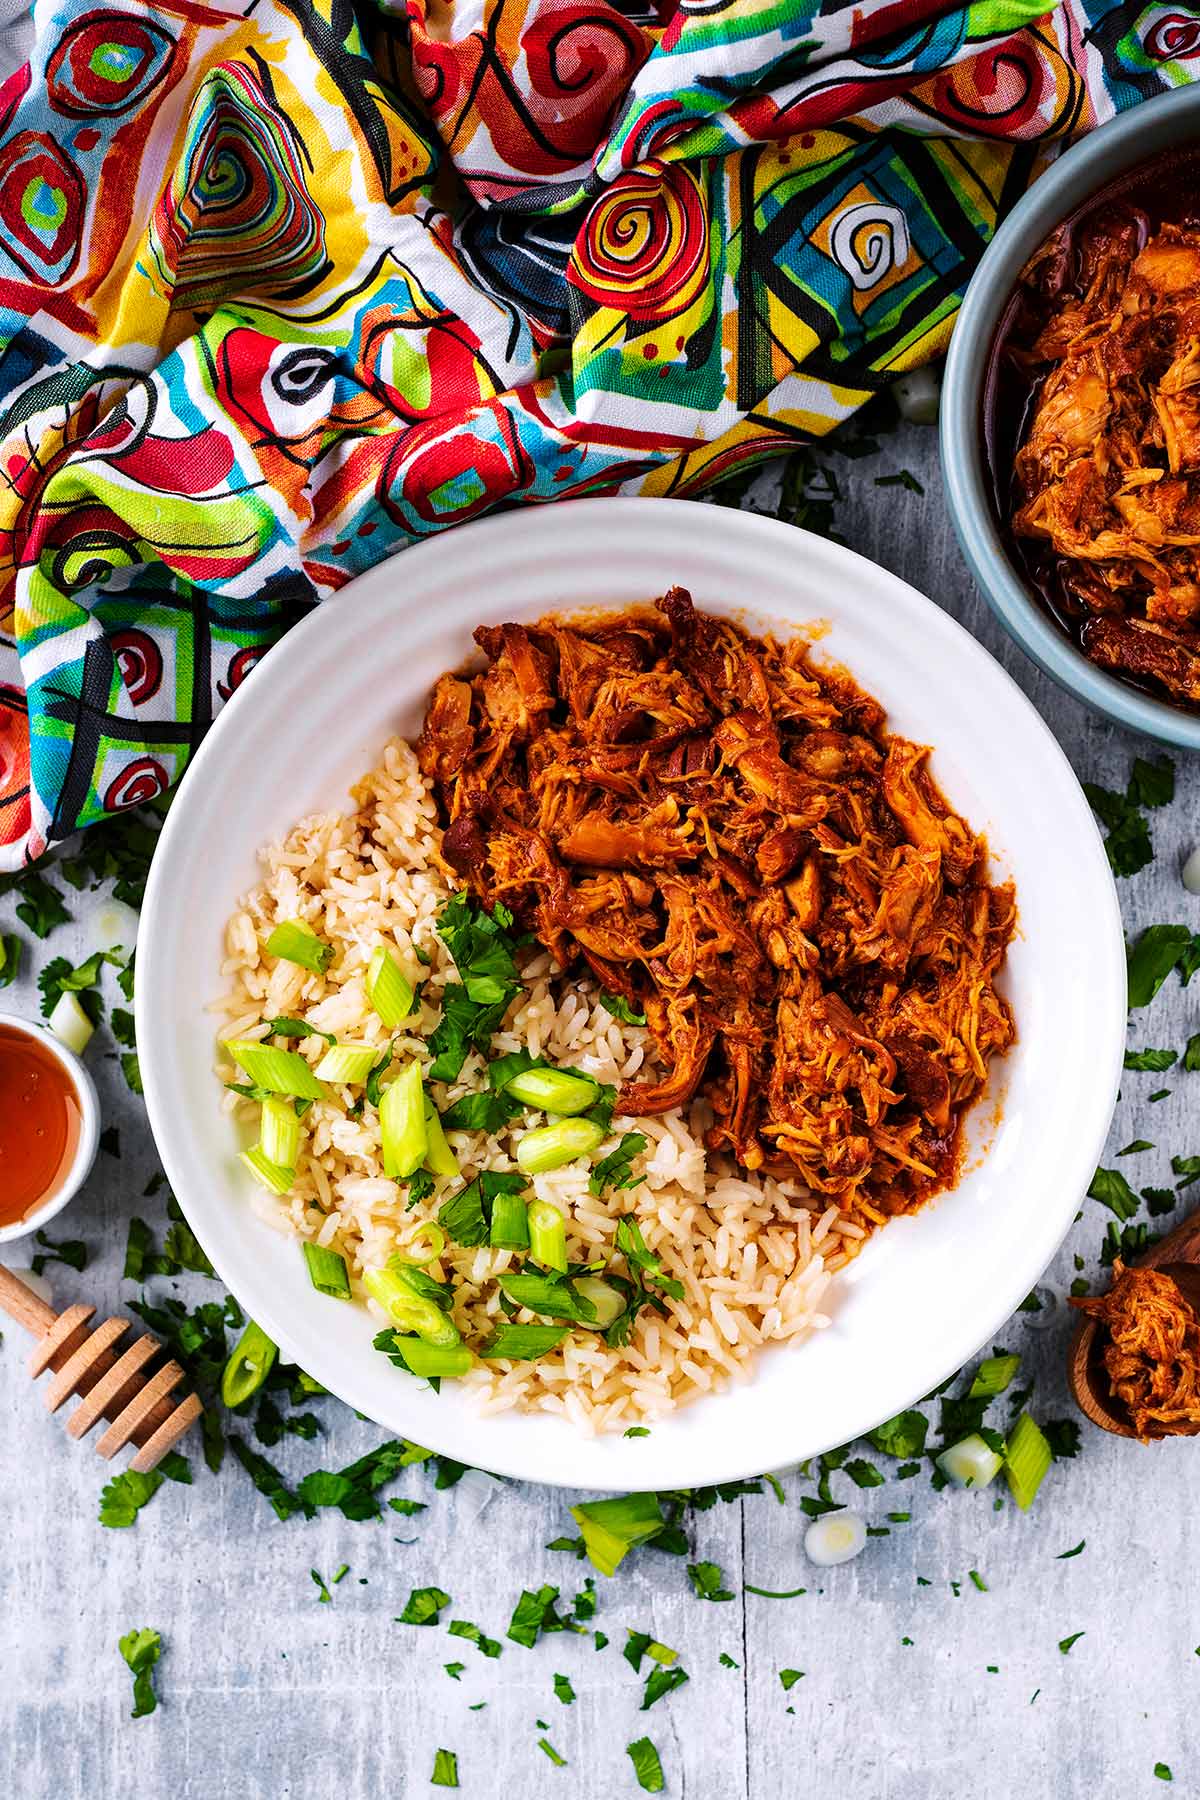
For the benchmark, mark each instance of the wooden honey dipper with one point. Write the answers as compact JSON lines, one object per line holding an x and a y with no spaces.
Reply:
{"x":141,"y":1408}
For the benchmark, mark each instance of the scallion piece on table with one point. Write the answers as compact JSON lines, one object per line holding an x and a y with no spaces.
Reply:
{"x":553,"y":1091}
{"x":298,"y":943}
{"x":402,"y":1123}
{"x":510,"y":1226}
{"x":439,"y":1157}
{"x":327,"y":1271}
{"x":408,"y":1308}
{"x":550,"y":1146}
{"x":279,"y":1133}
{"x":347,"y":1064}
{"x":523,"y":1343}
{"x":547,"y":1235}
{"x":278,"y":1071}
{"x":252,"y":1360}
{"x":69,"y":1023}
{"x":1026,"y":1460}
{"x":425,"y":1245}
{"x":433,"y":1360}
{"x":971,"y":1463}
{"x":275,"y":1177}
{"x":387,"y":989}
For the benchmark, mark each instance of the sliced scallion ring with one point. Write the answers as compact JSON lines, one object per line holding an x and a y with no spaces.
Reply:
{"x":552,"y":1146}
{"x":347,"y":1064}
{"x":971,"y":1463}
{"x":275,"y":1177}
{"x":278,"y":1071}
{"x":439,"y":1157}
{"x":547,"y":1235}
{"x":432,"y":1361}
{"x":387,"y":988}
{"x":296,"y":942}
{"x":402,"y":1124}
{"x":510,"y":1227}
{"x":252,"y":1360}
{"x":327,"y":1271}
{"x":279,"y":1133}
{"x":553,"y":1091}
{"x":425,"y":1245}
{"x":408,"y":1309}
{"x":69,"y":1023}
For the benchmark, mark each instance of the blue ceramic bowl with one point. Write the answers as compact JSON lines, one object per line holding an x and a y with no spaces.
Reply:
{"x":1164,"y":123}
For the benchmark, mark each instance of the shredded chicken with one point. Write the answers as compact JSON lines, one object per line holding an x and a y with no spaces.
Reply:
{"x":1152,"y":1353}
{"x":1108,"y":472}
{"x":726,"y":836}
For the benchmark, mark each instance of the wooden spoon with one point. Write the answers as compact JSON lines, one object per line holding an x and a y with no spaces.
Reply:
{"x":1178,"y":1255}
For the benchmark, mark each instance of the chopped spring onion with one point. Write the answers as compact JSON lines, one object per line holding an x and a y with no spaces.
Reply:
{"x":547,"y":1235}
{"x":252,"y":1360}
{"x":994,"y":1374}
{"x":433,"y":1360}
{"x":836,"y":1538}
{"x":69,"y":1023}
{"x":425,"y":1245}
{"x":439,"y":1157}
{"x":347,"y":1064}
{"x":402,"y":1123}
{"x":387,"y":990}
{"x":275,"y":1177}
{"x":408,"y":1307}
{"x":299,"y":943}
{"x":510,"y":1226}
{"x":611,"y":1527}
{"x":278,"y":1071}
{"x":550,"y":1146}
{"x":609,"y":1304}
{"x":279,"y":1133}
{"x":327,"y":1271}
{"x":523,"y":1342}
{"x":553,"y":1091}
{"x":1026,"y":1460}
{"x":971,"y":1463}
{"x":917,"y":395}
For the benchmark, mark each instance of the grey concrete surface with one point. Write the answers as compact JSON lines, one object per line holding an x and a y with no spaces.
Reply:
{"x":910,"y":1691}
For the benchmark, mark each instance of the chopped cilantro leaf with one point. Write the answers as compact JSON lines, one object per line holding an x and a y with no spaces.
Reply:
{"x":616,"y":1169}
{"x":124,"y":1496}
{"x":1062,"y":1435}
{"x":1157,"y":1060}
{"x":141,"y":1650}
{"x":535,"y":1613}
{"x":1152,"y":783}
{"x":1159,"y":949}
{"x":1065,"y":1644}
{"x":647,"y":1766}
{"x":1110,"y":1187}
{"x":1188,"y":1167}
{"x":789,"y":1678}
{"x":902,"y":1436}
{"x":486,"y":1646}
{"x":1134,"y":1148}
{"x":71,"y":1251}
{"x":1127,"y":840}
{"x":706,"y":1579}
{"x":563,"y":1690}
{"x":1159,"y":1200}
{"x":902,"y":478}
{"x":659,"y":1682}
{"x":423,"y":1606}
{"x":620,"y":1008}
{"x":863,"y":1474}
{"x":1163,"y":1771}
{"x":40,"y":905}
{"x":1074,"y":1551}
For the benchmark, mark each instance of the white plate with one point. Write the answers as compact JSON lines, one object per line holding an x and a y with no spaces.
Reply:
{"x":928,"y":1291}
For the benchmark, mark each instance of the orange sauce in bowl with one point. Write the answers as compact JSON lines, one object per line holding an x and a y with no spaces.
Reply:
{"x":39,"y":1124}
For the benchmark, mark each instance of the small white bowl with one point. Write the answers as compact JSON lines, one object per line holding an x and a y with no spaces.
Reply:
{"x":927,"y":1291}
{"x":89,"y":1128}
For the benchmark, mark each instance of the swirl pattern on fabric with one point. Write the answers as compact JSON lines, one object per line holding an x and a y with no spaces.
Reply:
{"x":283,"y":292}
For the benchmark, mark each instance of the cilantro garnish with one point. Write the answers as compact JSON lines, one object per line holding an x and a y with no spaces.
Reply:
{"x":659,"y":1682}
{"x":1062,"y":1435}
{"x":902,"y":1436}
{"x":1163,"y":1771}
{"x":1065,"y":1644}
{"x":863,"y":1474}
{"x":454,"y":1670}
{"x":1159,"y":1200}
{"x":536,"y":1613}
{"x":487,"y":1646}
{"x":1136,"y":1147}
{"x":563,"y":1690}
{"x":472,"y":1008}
{"x":706,"y":1580}
{"x":71,"y":1251}
{"x":423,"y":1606}
{"x":1159,"y":949}
{"x":1188,"y":1167}
{"x":466,"y":1217}
{"x":59,"y":978}
{"x":298,"y":1028}
{"x":1110,"y":1187}
{"x":789,"y":1677}
{"x":903,"y":478}
{"x":124,"y":1496}
{"x":1074,"y":1551}
{"x":647,"y":1766}
{"x":40,"y":905}
{"x":616,"y":1169}
{"x":10,"y":957}
{"x":141,"y":1650}
{"x":774,"y":1593}
{"x":620,"y":1009}
{"x":1157,"y":1060}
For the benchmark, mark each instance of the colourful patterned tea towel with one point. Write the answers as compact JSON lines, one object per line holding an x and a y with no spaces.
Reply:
{"x":285,"y":287}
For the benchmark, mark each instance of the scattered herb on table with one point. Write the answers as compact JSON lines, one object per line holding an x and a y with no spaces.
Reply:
{"x":647,"y":1766}
{"x":124,"y":1496}
{"x":789,"y":1677}
{"x":141,"y":1650}
{"x":706,"y":1580}
{"x":1065,"y":1644}
{"x":445,"y":1769}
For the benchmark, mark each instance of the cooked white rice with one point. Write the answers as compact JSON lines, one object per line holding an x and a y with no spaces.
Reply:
{"x":755,"y":1256}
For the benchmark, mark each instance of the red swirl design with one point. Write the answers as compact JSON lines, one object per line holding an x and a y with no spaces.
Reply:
{"x":1173,"y":37}
{"x":105,"y":64}
{"x":41,"y":206}
{"x":141,"y":780}
{"x":240,"y":665}
{"x":140,"y":661}
{"x":579,"y":61}
{"x":644,"y":245}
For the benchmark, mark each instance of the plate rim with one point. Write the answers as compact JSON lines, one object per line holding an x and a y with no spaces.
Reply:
{"x":720,"y":1463}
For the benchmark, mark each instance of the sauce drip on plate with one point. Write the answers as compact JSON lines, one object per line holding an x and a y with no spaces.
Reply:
{"x":39,"y":1124}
